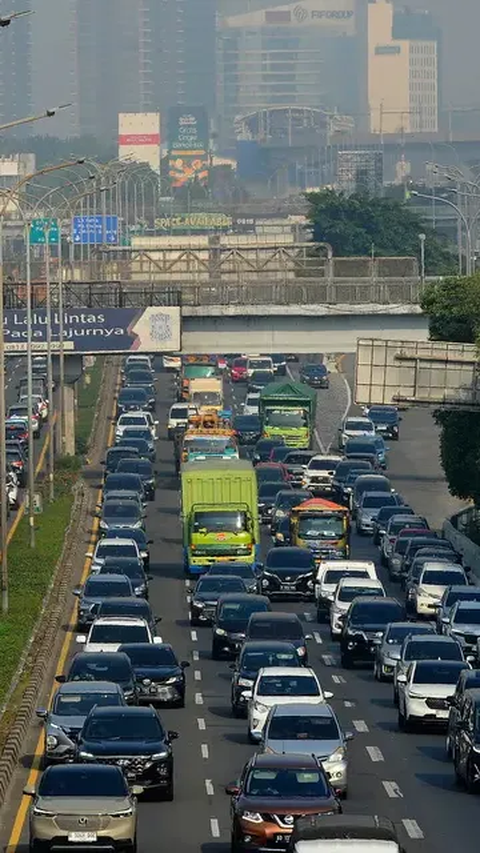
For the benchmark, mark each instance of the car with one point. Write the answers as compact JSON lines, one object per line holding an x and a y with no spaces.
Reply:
{"x":425,"y":689}
{"x":94,"y":590}
{"x":289,"y":571}
{"x":135,"y":739}
{"x":206,"y":593}
{"x":354,"y":427}
{"x":123,"y":482}
{"x":397,"y":553}
{"x":252,"y":403}
{"x":450,"y":596}
{"x":319,"y":473}
{"x":385,"y":513}
{"x":17,"y":462}
{"x":107,"y":633}
{"x":267,"y":495}
{"x":160,"y":677}
{"x":369,"y":506}
{"x":259,"y":379}
{"x":432,"y":584}
{"x":469,"y":679}
{"x":411,"y":581}
{"x":373,"y":449}
{"x":423,"y":647}
{"x":301,"y":729}
{"x":103,"y":666}
{"x":271,"y":472}
{"x":368,"y":483}
{"x":430,"y":539}
{"x":120,"y":513}
{"x":71,"y":704}
{"x":279,"y":626}
{"x":389,"y":651}
{"x":178,"y":416}
{"x":386,"y":420}
{"x":113,"y":547}
{"x":231,"y":619}
{"x":141,"y":438}
{"x":315,"y":375}
{"x":344,"y":832}
{"x":238,"y":370}
{"x":278,"y":453}
{"x":132,"y":567}
{"x":346,"y":591}
{"x":248,"y":428}
{"x":131,"y":400}
{"x":465,"y":738}
{"x":132,"y":606}
{"x":66,"y":793}
{"x":279,"y":362}
{"x":296,"y":463}
{"x":400,"y":521}
{"x":463,"y":624}
{"x":261,"y":363}
{"x":254,"y":656}
{"x":115,"y":454}
{"x":284,"y":503}
{"x":277,"y":789}
{"x":342,"y":470}
{"x":330,"y":574}
{"x":364,"y":626}
{"x":20,"y":412}
{"x":140,"y":361}
{"x":145,"y":470}
{"x":140,"y":420}
{"x":16,"y":430}
{"x":263,"y":448}
{"x":136,"y":374}
{"x":281,"y":686}
{"x":246,"y":571}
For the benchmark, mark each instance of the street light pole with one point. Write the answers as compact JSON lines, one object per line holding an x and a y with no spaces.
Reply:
{"x":31,"y":460}
{"x":464,"y":219}
{"x":3,"y":444}
{"x":51,"y":448}
{"x":422,"y":238}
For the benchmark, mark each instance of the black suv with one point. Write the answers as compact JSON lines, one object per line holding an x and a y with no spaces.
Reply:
{"x":208,"y":590}
{"x":256,"y":654}
{"x":160,"y":676}
{"x":465,"y":741}
{"x":135,"y":740}
{"x":230,"y":621}
{"x":364,"y":625}
{"x":279,"y":626}
{"x":103,"y":666}
{"x":289,"y":572}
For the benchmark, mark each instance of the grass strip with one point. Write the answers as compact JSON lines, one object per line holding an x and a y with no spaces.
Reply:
{"x":87,"y":395}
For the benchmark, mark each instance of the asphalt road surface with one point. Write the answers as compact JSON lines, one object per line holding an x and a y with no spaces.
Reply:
{"x":405,"y":777}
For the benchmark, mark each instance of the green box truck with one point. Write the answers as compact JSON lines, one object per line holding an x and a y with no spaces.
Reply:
{"x":288,"y":411}
{"x":219,"y":513}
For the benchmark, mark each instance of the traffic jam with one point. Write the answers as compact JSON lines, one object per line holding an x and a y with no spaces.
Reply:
{"x":266,"y":521}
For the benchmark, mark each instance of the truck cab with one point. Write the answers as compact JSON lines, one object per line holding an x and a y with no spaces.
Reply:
{"x":323,"y":527}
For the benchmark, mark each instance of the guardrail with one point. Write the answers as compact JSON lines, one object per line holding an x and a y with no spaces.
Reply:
{"x":455,"y":530}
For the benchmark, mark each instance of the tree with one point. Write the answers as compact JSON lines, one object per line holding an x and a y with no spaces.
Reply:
{"x":453,"y":308}
{"x":352,"y":224}
{"x":460,"y":453}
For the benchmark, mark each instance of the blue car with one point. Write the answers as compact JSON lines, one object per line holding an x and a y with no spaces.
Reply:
{"x":362,"y":448}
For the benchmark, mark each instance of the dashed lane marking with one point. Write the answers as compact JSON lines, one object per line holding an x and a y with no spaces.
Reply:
{"x":360,"y":726}
{"x":194,"y":636}
{"x":189,"y":598}
{"x":412,"y":829}
{"x":201,"y":724}
{"x":338,"y":679}
{"x":214,"y":827}
{"x":195,"y":655}
{"x":392,"y":790}
{"x":209,"y":788}
{"x":329,"y":660}
{"x":349,"y":704}
{"x":374,"y":753}
{"x":198,"y":699}
{"x":317,"y":638}
{"x":204,"y":750}
{"x":197,"y":675}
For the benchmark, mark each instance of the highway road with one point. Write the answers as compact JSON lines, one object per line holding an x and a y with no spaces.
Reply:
{"x":403,"y":776}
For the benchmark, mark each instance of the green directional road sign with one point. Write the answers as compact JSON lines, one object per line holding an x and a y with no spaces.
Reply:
{"x":39,"y":229}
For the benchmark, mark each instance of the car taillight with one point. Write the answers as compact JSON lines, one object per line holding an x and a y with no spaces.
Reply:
{"x":17,"y":463}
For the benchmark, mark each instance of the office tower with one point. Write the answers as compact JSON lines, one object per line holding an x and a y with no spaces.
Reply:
{"x":360,"y":172}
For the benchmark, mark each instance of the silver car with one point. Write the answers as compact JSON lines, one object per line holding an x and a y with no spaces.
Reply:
{"x":418,"y":647}
{"x":95,"y":589}
{"x":389,"y":651}
{"x":302,"y":729}
{"x":71,"y":704}
{"x":463,"y":624}
{"x":369,"y":507}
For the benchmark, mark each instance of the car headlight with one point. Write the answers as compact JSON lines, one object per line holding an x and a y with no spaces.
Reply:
{"x":173,"y":679}
{"x":301,"y":651}
{"x":41,"y":812}
{"x":159,"y":755}
{"x":52,"y":741}
{"x":221,"y":632}
{"x":103,"y":524}
{"x":86,"y":755}
{"x":252,"y":817}
{"x":124,"y":813}
{"x":198,"y":604}
{"x":338,"y":755}
{"x":146,"y":682}
{"x":137,"y":524}
{"x":245,"y":682}
{"x":139,"y":589}
{"x":261,"y":708}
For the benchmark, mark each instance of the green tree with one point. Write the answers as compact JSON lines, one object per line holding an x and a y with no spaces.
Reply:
{"x":460,"y":452}
{"x":352,"y":224}
{"x":453,"y":308}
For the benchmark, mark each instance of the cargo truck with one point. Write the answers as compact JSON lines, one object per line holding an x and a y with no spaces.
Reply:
{"x":206,"y":394}
{"x":194,"y":371}
{"x":288,"y":411}
{"x":219,"y":513}
{"x":323,"y":527}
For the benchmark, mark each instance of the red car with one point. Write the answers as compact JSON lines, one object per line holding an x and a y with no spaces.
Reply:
{"x":238,"y":371}
{"x":269,"y":472}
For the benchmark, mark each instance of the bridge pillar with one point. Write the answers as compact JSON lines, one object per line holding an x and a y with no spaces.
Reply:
{"x":69,"y":420}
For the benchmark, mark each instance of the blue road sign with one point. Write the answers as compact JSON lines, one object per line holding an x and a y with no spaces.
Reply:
{"x":92,"y":230}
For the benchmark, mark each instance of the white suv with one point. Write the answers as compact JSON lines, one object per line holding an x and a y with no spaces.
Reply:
{"x":318,"y":475}
{"x":142,"y":420}
{"x":107,"y":633}
{"x":348,"y":589}
{"x":106,"y":547}
{"x":432,"y":583}
{"x":355,"y":427}
{"x":426,"y":687}
{"x":281,"y":685}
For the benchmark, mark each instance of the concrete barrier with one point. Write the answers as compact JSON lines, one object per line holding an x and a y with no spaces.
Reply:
{"x":454,"y":530}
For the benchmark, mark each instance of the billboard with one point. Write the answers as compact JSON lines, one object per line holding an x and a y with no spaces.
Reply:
{"x":334,"y":17}
{"x":194,"y":222}
{"x":186,"y":169}
{"x":188,"y":130}
{"x":432,"y":373}
{"x":88,"y":331}
{"x":139,"y":138}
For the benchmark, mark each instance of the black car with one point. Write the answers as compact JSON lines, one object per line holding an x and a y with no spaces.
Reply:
{"x":123,"y":482}
{"x":384,"y":516}
{"x":132,"y":400}
{"x":415,"y":544}
{"x":248,"y":428}
{"x":364,"y":625}
{"x":231,"y":619}
{"x":95,"y":589}
{"x":279,"y":626}
{"x":315,"y":375}
{"x":284,"y":503}
{"x":289,"y":572}
{"x":363,"y":449}
{"x":386,"y":420}
{"x":133,"y":432}
{"x":278,"y":453}
{"x":150,"y":392}
{"x":143,"y":446}
{"x":246,"y":571}
{"x":279,"y":362}
{"x":144,"y":469}
{"x":208,"y":590}
{"x":296,"y":462}
{"x":259,"y":380}
{"x":137,"y":376}
{"x":465,"y":741}
{"x":264,"y":447}
{"x":120,"y":513}
{"x":115,"y":455}
{"x":132,"y":568}
{"x":132,"y":606}
{"x":138,"y":535}
{"x":254,"y":655}
{"x":160,"y":677}
{"x":103,"y":666}
{"x":135,"y":740}
{"x":267,"y":495}
{"x":342,"y":471}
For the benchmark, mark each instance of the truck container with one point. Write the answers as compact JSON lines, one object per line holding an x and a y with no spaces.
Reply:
{"x":206,"y":394}
{"x":288,"y":411}
{"x":219,"y":513}
{"x":194,"y":371}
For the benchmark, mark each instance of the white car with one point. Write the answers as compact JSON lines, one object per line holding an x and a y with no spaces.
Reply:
{"x":281,"y":686}
{"x":142,"y":362}
{"x":107,"y":633}
{"x":12,"y":490}
{"x":178,"y":416}
{"x":251,"y":405}
{"x":172,"y":362}
{"x":325,"y":590}
{"x":112,"y":548}
{"x":20,"y":413}
{"x":142,"y":420}
{"x":432,"y":583}
{"x":366,"y":566}
{"x":425,"y":688}
{"x":355,"y":427}
{"x":259,"y":362}
{"x":348,"y":589}
{"x":318,"y":475}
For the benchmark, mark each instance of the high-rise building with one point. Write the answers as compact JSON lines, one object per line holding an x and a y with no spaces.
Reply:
{"x":16,"y":68}
{"x":360,"y":172}
{"x":402,"y":71}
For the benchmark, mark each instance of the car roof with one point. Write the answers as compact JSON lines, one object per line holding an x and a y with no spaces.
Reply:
{"x":218,"y":577}
{"x":124,"y":710}
{"x":276,"y":760}
{"x":375,"y":494}
{"x":106,"y":578}
{"x":243,"y":596}
{"x":327,"y":457}
{"x":119,"y":620}
{"x":136,"y":646}
{"x":118,"y":541}
{"x":303,"y":671}
{"x":130,"y":600}
{"x":88,"y":687}
{"x":452,"y":664}
{"x":443,"y":567}
{"x":302,"y":709}
{"x":361,"y":418}
{"x":273,"y":645}
{"x":367,"y":582}
{"x":414,"y":626}
{"x":275,"y":616}
{"x":375,"y":599}
{"x":431,"y":638}
{"x":291,"y":550}
{"x":81,"y":769}
{"x":475,"y":605}
{"x":104,"y":656}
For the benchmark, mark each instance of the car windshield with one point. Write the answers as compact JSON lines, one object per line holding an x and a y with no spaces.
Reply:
{"x":284,"y":558}
{"x":301,"y":458}
{"x":324,"y":526}
{"x":416,"y":650}
{"x":401,"y":544}
{"x":213,"y":585}
{"x":286,"y":784}
{"x":376,"y":501}
{"x":386,"y":512}
{"x":96,"y":588}
{"x":356,"y":446}
{"x":270,"y":489}
{"x":137,"y":432}
{"x":397,"y":633}
{"x":275,"y":629}
{"x":233,"y":521}
{"x":119,"y":634}
{"x":321,"y":464}
{"x":241,"y":571}
{"x":132,"y":420}
{"x":80,"y":704}
{"x":118,"y":726}
{"x":348,"y":593}
{"x":462,"y":595}
{"x":467,"y":615}
{"x":207,"y":398}
{"x":151,"y":655}
{"x":247,"y":422}
{"x":209,"y":445}
{"x":137,"y":466}
{"x":121,"y":482}
{"x":319,"y":369}
{"x":253,"y":661}
{"x":179,"y":412}
{"x":383,"y":416}
{"x":82,"y":783}
{"x":397,"y":524}
{"x":259,"y":363}
{"x":86,"y":668}
{"x":379,"y":613}
{"x":233,"y":611}
{"x":285,"y":419}
{"x":138,"y":608}
{"x":124,"y":509}
{"x":442,"y":577}
{"x":333,"y":576}
{"x":343,"y":469}
{"x":130,"y":568}
{"x":358,"y":426}
{"x":436,"y":673}
{"x":262,"y":377}
{"x":288,"y":685}
{"x":270,"y":475}
{"x":132,"y":395}
{"x":303,"y":728}
{"x":111,"y":549}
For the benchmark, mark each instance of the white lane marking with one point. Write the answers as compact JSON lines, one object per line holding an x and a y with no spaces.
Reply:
{"x":317,"y":638}
{"x":209,"y":787}
{"x":195,"y":655}
{"x":214,"y":827}
{"x":194,"y":636}
{"x":319,"y":441}
{"x":349,"y":704}
{"x":360,"y":726}
{"x":197,"y":675}
{"x":347,"y":407}
{"x":374,"y":753}
{"x":189,"y":598}
{"x":201,"y":724}
{"x":204,"y":749}
{"x":392,"y":790}
{"x":412,"y":829}
{"x":198,"y":699}
{"x":187,"y":583}
{"x":338,"y":679}
{"x":309,"y":617}
{"x":328,"y":660}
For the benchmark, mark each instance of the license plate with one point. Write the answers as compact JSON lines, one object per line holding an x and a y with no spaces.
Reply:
{"x":82,"y":837}
{"x":288,"y":586}
{"x":282,"y":839}
{"x":163,"y":692}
